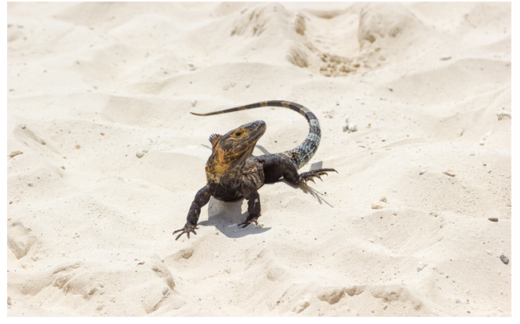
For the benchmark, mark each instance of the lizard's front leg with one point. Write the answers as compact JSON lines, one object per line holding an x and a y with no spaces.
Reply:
{"x":249,"y":191}
{"x":201,"y":199}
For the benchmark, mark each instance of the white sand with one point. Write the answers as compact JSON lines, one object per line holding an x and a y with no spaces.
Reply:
{"x":90,"y":224}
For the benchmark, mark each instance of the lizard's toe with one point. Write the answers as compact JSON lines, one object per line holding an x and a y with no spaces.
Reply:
{"x":186,"y":230}
{"x":244,"y":224}
{"x":308,"y":176}
{"x":247,"y":222}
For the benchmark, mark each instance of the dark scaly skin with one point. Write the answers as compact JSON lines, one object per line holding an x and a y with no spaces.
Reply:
{"x":232,"y":172}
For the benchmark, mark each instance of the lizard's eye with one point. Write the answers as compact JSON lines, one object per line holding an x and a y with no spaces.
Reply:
{"x":238,"y":133}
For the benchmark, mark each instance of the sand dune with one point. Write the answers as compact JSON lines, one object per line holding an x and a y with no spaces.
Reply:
{"x":99,"y":96}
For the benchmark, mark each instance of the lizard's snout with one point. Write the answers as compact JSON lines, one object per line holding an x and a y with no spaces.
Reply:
{"x":258,"y":124}
{"x":257,"y":129}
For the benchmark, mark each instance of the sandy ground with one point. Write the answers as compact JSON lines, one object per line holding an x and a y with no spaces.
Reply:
{"x":99,"y":97}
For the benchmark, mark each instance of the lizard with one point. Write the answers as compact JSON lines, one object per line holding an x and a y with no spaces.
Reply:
{"x":232,"y":172}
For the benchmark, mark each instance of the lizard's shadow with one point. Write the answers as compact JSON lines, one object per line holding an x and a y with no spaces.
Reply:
{"x":305,"y":186}
{"x":226,"y":216}
{"x":307,"y":189}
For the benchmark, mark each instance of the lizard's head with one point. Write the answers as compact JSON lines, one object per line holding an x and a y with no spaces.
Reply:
{"x":232,"y":150}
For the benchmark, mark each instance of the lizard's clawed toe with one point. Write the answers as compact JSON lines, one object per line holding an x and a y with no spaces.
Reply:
{"x":247,"y":222}
{"x":308,"y":176}
{"x":187,"y":229}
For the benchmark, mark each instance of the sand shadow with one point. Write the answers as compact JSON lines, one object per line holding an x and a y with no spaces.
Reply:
{"x":261,"y":148}
{"x":307,"y":189}
{"x":225,"y":217}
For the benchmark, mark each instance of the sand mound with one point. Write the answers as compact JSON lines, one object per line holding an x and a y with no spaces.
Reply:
{"x":101,"y":283}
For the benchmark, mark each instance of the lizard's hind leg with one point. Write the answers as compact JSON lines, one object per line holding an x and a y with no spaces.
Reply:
{"x":276,"y":166}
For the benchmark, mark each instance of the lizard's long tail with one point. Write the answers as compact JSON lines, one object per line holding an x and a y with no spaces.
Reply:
{"x":303,"y":152}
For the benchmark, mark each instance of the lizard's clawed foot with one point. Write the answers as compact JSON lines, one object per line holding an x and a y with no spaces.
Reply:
{"x":249,"y":221}
{"x":306,"y":176}
{"x":187,"y":229}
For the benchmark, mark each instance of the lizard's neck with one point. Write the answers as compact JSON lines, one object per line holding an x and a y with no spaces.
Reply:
{"x":222,"y":173}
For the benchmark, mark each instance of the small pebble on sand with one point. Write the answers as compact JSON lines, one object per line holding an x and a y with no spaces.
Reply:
{"x":504,"y":259}
{"x":15,"y":153}
{"x":421,"y":266}
{"x":502,"y":114}
{"x":350,"y":126}
{"x":376,"y":206}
